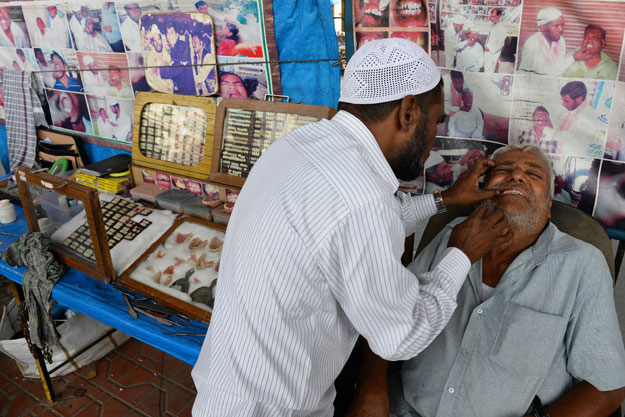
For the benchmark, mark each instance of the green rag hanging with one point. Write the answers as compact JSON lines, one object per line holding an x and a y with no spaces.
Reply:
{"x":33,"y":251}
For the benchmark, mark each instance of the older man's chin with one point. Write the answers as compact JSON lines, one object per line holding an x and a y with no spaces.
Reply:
{"x":524,"y":222}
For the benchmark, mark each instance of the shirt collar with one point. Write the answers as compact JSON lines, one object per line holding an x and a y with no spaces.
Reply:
{"x":368,"y":145}
{"x":550,"y":241}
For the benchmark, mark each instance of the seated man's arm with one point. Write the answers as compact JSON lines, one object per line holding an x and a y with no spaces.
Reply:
{"x":594,"y":346}
{"x":372,"y":397}
{"x":584,"y":400}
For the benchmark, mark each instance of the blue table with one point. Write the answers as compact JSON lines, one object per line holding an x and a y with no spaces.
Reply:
{"x":102,"y":302}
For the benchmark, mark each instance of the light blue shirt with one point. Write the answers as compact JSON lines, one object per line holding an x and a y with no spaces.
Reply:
{"x":549,"y":323}
{"x":109,"y":18}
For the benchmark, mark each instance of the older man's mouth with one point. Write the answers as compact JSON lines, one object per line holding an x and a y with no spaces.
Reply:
{"x":504,"y":192}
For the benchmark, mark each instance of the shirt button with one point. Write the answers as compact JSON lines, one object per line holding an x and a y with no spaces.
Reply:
{"x":480,"y":311}
{"x":465,"y":353}
{"x":451,"y":390}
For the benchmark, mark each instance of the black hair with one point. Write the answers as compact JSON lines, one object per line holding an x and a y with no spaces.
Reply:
{"x":499,"y":11}
{"x":59,"y":55}
{"x":250,"y":83}
{"x":574,"y":89}
{"x":378,"y":112}
{"x":596,"y":27}
{"x":456,"y":75}
{"x":540,"y":108}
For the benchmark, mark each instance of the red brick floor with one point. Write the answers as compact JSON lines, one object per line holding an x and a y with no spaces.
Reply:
{"x":133,"y":380}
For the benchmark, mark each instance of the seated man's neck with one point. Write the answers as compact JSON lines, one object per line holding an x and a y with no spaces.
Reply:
{"x":497,"y":261}
{"x":593,"y":62}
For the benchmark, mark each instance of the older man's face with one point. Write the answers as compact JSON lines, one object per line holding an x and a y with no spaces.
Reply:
{"x":554,"y":29}
{"x":53,"y":11}
{"x":523,"y":180}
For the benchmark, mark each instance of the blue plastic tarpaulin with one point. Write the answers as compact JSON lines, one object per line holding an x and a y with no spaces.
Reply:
{"x":304,"y":29}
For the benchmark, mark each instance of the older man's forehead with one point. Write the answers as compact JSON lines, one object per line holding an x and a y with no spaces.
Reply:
{"x":521,"y":158}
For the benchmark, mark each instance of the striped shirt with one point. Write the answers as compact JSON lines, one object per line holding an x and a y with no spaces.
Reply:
{"x":311,"y":259}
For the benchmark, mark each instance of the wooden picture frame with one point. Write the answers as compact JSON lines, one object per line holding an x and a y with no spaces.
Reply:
{"x":189,"y":309}
{"x":206,"y":104}
{"x":253,"y":112}
{"x":102,"y":269}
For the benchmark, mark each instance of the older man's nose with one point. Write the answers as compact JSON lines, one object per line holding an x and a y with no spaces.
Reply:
{"x":517,"y":174}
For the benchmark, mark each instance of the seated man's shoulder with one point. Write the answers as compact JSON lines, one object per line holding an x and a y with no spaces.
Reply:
{"x":578,"y":255}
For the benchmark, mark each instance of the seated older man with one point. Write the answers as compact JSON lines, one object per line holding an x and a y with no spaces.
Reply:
{"x":535,"y":320}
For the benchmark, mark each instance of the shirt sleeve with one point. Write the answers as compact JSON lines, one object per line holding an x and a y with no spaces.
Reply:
{"x":593,"y":339}
{"x":397,"y":312}
{"x":415,"y":209}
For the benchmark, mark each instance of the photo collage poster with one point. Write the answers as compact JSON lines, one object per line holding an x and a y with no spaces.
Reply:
{"x":89,"y":61}
{"x":549,"y":73}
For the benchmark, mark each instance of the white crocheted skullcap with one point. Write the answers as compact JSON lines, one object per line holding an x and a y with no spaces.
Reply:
{"x":434,"y":159}
{"x":546,"y":15}
{"x":386,"y":70}
{"x":458,"y":19}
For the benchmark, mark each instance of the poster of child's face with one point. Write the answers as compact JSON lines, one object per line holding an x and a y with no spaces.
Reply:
{"x":477,"y":106}
{"x":48,"y":23}
{"x":69,"y":110}
{"x":590,"y":32}
{"x":242,"y":81}
{"x":179,"y":39}
{"x":14,"y":33}
{"x":568,"y":117}
{"x":371,"y":13}
{"x":409,"y":13}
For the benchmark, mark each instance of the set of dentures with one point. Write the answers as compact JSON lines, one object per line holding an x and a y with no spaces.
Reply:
{"x":186,"y":262}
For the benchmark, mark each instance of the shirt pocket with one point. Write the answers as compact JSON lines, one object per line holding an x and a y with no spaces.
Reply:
{"x":527,"y":339}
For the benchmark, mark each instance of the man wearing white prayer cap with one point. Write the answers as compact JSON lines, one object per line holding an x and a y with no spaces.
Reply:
{"x":77,"y":25}
{"x":92,"y":80}
{"x":453,"y":39}
{"x":120,"y":122}
{"x":323,"y":230}
{"x":544,"y":53}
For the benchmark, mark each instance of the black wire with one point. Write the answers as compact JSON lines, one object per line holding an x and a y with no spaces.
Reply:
{"x":338,"y":60}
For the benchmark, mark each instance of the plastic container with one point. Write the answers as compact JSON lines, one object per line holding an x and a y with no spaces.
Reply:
{"x":195,"y":208}
{"x":173,"y":199}
{"x":220,"y":216}
{"x":147,"y":192}
{"x":57,"y":207}
{"x":7,"y":212}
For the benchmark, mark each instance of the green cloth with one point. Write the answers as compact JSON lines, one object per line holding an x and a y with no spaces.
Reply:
{"x":33,"y":251}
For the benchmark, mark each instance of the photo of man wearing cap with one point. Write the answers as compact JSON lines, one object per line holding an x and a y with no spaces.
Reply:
{"x":323,"y":265}
{"x":544,"y":53}
{"x":453,"y":40}
{"x":94,"y":81}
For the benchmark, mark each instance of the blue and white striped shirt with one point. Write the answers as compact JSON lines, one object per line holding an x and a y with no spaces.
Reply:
{"x":311,"y":259}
